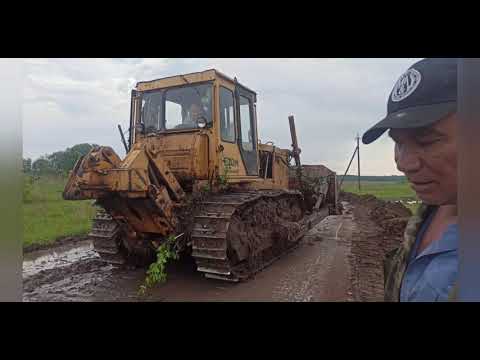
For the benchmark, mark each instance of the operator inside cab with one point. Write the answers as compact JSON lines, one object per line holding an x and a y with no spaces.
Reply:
{"x":193,"y":111}
{"x":190,"y":115}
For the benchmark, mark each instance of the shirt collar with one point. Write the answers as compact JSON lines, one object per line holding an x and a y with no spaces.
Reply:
{"x":448,"y":242}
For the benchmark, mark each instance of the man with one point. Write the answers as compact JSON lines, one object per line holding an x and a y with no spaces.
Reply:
{"x":194,"y":113}
{"x":422,"y":122}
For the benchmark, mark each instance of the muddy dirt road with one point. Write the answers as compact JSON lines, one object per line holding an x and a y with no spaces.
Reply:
{"x":339,"y":260}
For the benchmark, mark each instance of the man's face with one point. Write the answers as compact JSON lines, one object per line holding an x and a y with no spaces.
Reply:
{"x":428,"y":158}
{"x":195,"y":111}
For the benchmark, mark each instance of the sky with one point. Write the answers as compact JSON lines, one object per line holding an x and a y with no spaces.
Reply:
{"x":73,"y":101}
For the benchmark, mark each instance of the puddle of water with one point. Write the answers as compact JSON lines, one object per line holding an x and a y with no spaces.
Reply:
{"x":409,"y":202}
{"x":58,"y":257}
{"x":327,"y":228}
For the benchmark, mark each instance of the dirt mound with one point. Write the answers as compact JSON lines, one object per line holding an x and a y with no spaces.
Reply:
{"x":380,"y":227}
{"x":390,"y":216}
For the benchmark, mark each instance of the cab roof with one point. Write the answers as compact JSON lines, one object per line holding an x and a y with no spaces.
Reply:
{"x":207,"y":75}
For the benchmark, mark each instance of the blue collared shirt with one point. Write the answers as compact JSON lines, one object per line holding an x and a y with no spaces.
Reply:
{"x":431,"y":274}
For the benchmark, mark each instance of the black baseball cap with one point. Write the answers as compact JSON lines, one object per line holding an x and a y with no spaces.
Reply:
{"x":424,"y":94}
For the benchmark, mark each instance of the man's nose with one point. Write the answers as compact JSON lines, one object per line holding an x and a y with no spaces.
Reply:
{"x":408,"y":159}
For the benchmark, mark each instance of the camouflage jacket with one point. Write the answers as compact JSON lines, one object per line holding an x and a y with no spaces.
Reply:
{"x":396,"y":260}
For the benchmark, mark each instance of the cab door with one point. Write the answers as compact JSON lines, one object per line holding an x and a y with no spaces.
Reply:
{"x":230,"y":159}
{"x":246,"y":129}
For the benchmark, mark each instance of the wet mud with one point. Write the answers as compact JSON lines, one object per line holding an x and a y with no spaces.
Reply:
{"x":340,"y":259}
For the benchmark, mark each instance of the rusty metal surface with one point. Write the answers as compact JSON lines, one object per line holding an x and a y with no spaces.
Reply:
{"x":293,"y":132}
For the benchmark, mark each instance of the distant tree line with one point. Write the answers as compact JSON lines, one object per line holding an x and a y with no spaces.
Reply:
{"x":394,"y":178}
{"x":58,"y":163}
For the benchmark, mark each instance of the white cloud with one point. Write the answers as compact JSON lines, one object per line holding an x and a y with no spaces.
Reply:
{"x":69,"y":101}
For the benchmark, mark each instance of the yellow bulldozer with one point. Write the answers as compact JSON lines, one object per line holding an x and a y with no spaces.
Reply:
{"x":196,"y":173}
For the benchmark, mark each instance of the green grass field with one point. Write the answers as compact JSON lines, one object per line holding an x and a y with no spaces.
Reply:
{"x":385,"y":190}
{"x":47,"y":216}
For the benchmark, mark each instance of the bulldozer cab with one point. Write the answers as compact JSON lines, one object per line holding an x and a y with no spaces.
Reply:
{"x":206,"y":105}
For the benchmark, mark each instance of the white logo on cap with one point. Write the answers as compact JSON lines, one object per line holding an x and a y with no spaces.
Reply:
{"x":406,"y":85}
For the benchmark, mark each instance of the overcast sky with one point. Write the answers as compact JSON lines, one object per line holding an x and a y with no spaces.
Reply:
{"x":73,"y":101}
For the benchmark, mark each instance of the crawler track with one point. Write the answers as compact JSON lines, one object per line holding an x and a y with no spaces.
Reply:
{"x":235,"y":235}
{"x":109,"y":241}
{"x":106,"y":234}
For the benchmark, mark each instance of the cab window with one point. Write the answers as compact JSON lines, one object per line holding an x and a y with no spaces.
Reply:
{"x":227,"y":118}
{"x":246,"y":124}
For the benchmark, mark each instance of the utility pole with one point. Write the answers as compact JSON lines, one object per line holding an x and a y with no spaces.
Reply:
{"x":356,"y":152}
{"x":348,"y":167}
{"x":358,"y":158}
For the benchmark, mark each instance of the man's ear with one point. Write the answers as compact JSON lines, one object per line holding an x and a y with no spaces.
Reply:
{"x":395,"y":151}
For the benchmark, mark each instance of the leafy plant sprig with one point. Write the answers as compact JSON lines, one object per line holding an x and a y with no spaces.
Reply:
{"x":223,"y":179}
{"x":156,"y":272}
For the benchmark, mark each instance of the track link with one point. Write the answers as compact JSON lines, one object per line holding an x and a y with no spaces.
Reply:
{"x":105,"y":234}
